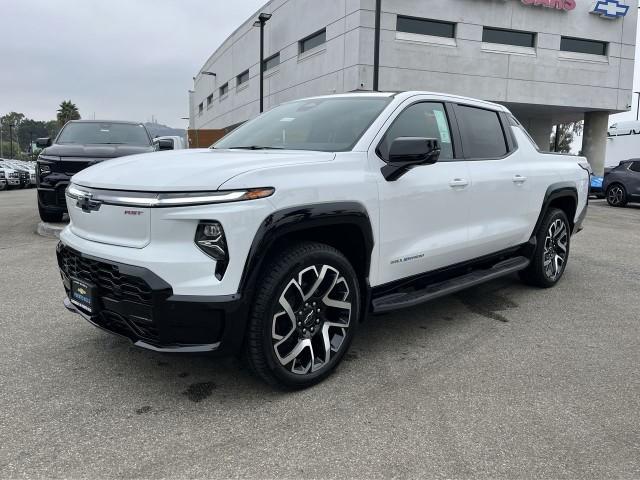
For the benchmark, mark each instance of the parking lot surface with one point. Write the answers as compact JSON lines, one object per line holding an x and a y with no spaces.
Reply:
{"x":501,"y":381}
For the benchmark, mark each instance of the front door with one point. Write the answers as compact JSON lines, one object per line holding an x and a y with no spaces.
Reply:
{"x":423,"y":214}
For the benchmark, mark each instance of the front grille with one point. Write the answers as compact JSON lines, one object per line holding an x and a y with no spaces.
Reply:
{"x":61,"y":199}
{"x":107,"y":278}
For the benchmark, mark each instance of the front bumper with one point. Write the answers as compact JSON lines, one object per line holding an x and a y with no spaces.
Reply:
{"x":53,"y":199}
{"x":135,"y":303}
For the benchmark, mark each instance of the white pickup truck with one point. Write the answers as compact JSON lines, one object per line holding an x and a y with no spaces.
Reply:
{"x":279,"y":240}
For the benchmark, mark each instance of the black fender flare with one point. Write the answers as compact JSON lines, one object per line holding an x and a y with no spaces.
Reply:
{"x":295,"y":219}
{"x":555,"y":191}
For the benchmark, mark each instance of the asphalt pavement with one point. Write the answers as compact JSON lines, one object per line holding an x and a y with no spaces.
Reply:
{"x":501,"y":381}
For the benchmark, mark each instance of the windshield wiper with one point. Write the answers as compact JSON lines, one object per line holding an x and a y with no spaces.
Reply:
{"x":256,"y":147}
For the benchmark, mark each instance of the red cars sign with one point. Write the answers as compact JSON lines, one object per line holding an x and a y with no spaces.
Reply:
{"x":565,"y":5}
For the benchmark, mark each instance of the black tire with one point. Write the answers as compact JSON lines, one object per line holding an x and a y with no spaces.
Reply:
{"x":540,"y":273}
{"x":617,"y":195}
{"x":272,"y":332}
{"x":49,"y":217}
{"x":3,"y":186}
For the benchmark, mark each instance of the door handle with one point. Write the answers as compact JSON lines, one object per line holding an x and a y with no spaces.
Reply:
{"x":519,"y":179}
{"x":459,"y":183}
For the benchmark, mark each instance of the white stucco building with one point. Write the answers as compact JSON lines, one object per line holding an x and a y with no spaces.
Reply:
{"x":550,"y":61}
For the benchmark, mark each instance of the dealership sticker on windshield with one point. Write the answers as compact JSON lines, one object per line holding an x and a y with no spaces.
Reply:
{"x":443,"y":127}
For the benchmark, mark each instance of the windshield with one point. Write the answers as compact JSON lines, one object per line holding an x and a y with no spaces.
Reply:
{"x":104,"y":133}
{"x":322,"y":124}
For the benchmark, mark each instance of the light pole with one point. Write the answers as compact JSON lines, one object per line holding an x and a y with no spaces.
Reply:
{"x":376,"y":47}
{"x":263,"y":18}
{"x":11,"y":125}
{"x":211,"y":74}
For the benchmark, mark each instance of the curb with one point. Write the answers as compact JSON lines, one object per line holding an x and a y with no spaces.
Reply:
{"x":50,"y":230}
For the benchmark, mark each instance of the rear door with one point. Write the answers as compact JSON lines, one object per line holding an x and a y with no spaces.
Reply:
{"x":501,"y":188}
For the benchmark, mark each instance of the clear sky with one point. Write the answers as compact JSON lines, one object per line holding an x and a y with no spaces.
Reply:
{"x":117,"y":59}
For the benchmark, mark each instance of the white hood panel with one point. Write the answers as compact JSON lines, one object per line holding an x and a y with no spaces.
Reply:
{"x":187,"y":170}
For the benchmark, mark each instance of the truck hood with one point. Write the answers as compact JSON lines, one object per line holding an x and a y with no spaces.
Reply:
{"x":188,"y":170}
{"x":98,"y":151}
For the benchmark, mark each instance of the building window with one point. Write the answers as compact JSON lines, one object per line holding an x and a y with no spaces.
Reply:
{"x":508,"y":37}
{"x":243,"y":78}
{"x":271,"y":62}
{"x":224,"y":89}
{"x":201,"y":108}
{"x":579,"y":45}
{"x":422,"y":26}
{"x":209,"y":100}
{"x":313,"y":41}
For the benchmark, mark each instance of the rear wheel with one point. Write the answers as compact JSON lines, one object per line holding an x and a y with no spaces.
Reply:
{"x":616,"y":195}
{"x":49,"y":217}
{"x":550,"y":258}
{"x":305,"y":314}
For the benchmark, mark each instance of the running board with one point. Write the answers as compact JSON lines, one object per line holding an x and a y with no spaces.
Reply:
{"x":396,"y":301}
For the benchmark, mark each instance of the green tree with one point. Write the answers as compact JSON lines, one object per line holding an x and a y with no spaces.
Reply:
{"x":565,"y":133}
{"x":29,"y":131}
{"x":67,"y":111}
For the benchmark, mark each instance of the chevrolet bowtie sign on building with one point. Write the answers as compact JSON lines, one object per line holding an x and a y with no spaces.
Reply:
{"x":610,"y":9}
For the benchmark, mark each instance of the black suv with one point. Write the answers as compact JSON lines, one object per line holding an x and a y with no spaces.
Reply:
{"x":80,"y":144}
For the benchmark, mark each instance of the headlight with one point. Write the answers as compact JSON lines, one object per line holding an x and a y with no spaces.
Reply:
{"x":211,"y":240}
{"x":158,"y":200}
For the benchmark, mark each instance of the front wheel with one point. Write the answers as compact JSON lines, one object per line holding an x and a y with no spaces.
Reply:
{"x":551,"y":255}
{"x":616,"y":195}
{"x":306,"y":310}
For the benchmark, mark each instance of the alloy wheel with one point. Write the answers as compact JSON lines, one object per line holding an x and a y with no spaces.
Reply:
{"x":311,"y":320}
{"x":555,"y":249}
{"x":615,"y":195}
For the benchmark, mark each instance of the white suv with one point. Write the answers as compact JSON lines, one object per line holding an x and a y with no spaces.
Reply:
{"x":278,"y":241}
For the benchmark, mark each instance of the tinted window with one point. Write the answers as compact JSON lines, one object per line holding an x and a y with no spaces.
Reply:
{"x":271,"y":62}
{"x":509,"y":37}
{"x":243,"y":77}
{"x":104,"y":133}
{"x":323,"y":124}
{"x":313,"y":41}
{"x":428,"y":120}
{"x":579,"y":45}
{"x":481,"y":130}
{"x":635,"y":166}
{"x":423,"y":26}
{"x":224,"y":89}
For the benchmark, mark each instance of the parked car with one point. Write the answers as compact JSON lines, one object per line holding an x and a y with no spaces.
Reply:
{"x":279,"y":240}
{"x":79,"y":144}
{"x":12,"y":175}
{"x":27,"y":172}
{"x":622,"y":184}
{"x":624,"y":128}
{"x":3,"y":180}
{"x":596,"y":189}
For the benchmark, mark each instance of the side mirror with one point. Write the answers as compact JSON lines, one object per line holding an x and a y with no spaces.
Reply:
{"x":164,"y":144}
{"x":44,"y":142}
{"x":406,"y":153}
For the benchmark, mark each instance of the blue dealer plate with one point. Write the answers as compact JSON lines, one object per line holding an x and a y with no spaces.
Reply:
{"x":82,"y":294}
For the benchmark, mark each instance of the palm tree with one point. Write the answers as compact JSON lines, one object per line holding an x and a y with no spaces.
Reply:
{"x":67,"y":111}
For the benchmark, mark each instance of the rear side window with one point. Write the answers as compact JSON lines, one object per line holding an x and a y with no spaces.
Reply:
{"x":427,"y":120}
{"x":481,"y":131}
{"x":635,"y":167}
